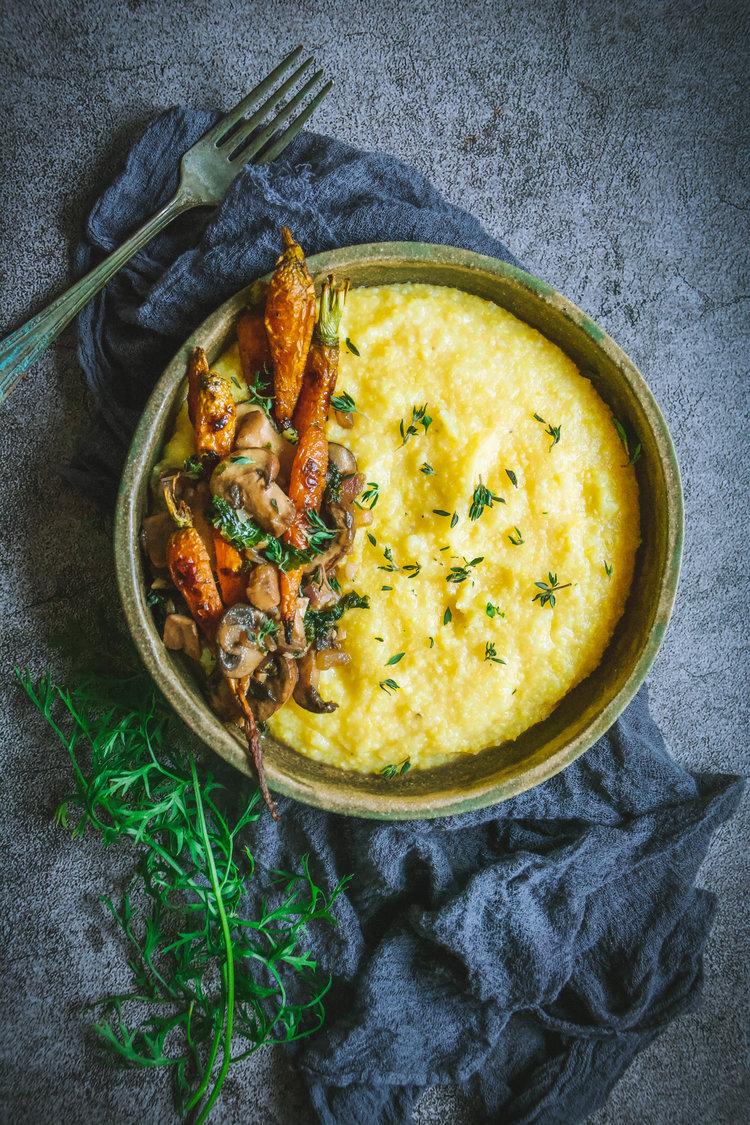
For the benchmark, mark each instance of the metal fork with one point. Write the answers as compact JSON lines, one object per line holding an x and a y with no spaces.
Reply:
{"x":206,"y":171}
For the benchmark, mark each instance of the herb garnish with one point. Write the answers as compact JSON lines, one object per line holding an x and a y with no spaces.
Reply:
{"x":345,"y":404}
{"x":608,"y":567}
{"x":207,"y":980}
{"x":371,"y":494}
{"x":386,"y":587}
{"x":395,"y":659}
{"x":483,"y":498}
{"x":427,"y":469}
{"x":490,"y":654}
{"x":461,"y":573}
{"x":372,"y":539}
{"x":440,"y":512}
{"x":551,"y":431}
{"x":258,"y":389}
{"x":493,"y":610}
{"x":351,"y":347}
{"x":388,"y":686}
{"x":319,"y":622}
{"x":547,"y":592}
{"x":516,"y":538}
{"x":318,"y":535}
{"x":419,"y":417}
{"x":396,"y":768}
{"x":193,"y":467}
{"x":236,"y":526}
{"x":432,"y":642}
{"x":390,"y":565}
{"x":636,"y":453}
{"x":512,"y":477}
{"x":447,"y":616}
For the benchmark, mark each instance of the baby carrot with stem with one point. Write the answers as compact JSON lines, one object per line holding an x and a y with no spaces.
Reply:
{"x":190,"y":567}
{"x":211,"y":410}
{"x":308,"y":479}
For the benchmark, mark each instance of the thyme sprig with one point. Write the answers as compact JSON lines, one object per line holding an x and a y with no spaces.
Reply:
{"x":482,"y":498}
{"x":547,"y":592}
{"x":419,"y":417}
{"x":395,"y":769}
{"x":258,"y":389}
{"x":491,"y":654}
{"x":370,"y":496}
{"x":210,"y":984}
{"x":633,"y":454}
{"x":551,"y":431}
{"x":388,"y":686}
{"x":516,"y":538}
{"x":461,"y":573}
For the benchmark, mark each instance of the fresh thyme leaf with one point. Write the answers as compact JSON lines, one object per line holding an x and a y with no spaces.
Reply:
{"x":396,"y":768}
{"x":236,"y":383}
{"x":370,"y":496}
{"x":372,"y":539}
{"x":608,"y":568}
{"x":493,"y":610}
{"x":386,"y":587}
{"x":390,"y":565}
{"x":388,"y":686}
{"x":379,"y":638}
{"x":512,"y":477}
{"x":350,"y":347}
{"x":258,"y":389}
{"x":447,"y":616}
{"x":209,"y":982}
{"x":636,"y":451}
{"x":454,"y":519}
{"x":461,"y":573}
{"x":193,"y":467}
{"x":319,"y":622}
{"x":440,"y":512}
{"x":344,"y":403}
{"x":515,"y":537}
{"x":318,"y":535}
{"x":547,"y":591}
{"x":427,"y":469}
{"x":490,"y":654}
{"x":242,"y":460}
{"x":432,"y":642}
{"x":483,"y":498}
{"x":419,"y":417}
{"x":411,"y":568}
{"x":551,"y":431}
{"x":395,"y":659}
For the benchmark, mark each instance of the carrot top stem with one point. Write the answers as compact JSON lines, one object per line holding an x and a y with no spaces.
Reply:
{"x":332,"y":301}
{"x":178,"y":509}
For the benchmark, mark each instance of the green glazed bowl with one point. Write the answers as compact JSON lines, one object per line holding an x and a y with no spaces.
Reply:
{"x":473,"y":781}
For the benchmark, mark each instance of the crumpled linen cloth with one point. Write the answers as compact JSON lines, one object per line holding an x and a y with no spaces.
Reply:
{"x":526,"y":952}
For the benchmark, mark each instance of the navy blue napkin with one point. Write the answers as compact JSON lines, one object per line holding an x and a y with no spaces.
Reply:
{"x":527,"y":952}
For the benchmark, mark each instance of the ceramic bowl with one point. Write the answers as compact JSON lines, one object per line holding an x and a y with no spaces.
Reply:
{"x":587,"y":711}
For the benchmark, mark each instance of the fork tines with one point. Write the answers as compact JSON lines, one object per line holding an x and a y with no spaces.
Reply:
{"x":254,"y":138}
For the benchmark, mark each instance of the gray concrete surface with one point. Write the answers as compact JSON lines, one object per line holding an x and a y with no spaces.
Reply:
{"x":607,"y":144}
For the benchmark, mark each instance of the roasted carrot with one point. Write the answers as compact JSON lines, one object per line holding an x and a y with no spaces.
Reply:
{"x":211,"y":410}
{"x":229,"y":567}
{"x":255,"y":354}
{"x":308,"y":478}
{"x":190,"y":567}
{"x":322,"y":365}
{"x":289,"y":318}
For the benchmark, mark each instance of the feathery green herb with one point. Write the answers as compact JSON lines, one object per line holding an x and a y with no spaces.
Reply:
{"x":547,"y":593}
{"x":419,"y":417}
{"x":193,"y":467}
{"x":210,"y":984}
{"x":490,"y":654}
{"x":258,"y":389}
{"x":344,"y":403}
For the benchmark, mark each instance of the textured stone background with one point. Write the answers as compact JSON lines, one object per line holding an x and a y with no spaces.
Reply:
{"x":607,"y":145}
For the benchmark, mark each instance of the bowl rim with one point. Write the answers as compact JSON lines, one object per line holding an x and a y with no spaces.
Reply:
{"x":397,"y":806}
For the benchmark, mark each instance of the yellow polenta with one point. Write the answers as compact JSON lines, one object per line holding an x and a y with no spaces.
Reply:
{"x":569,"y":510}
{"x":483,"y":375}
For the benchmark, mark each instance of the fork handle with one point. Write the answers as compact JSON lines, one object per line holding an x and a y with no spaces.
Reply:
{"x":24,"y":346}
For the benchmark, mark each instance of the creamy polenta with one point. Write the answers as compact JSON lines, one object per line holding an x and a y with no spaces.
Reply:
{"x":465,"y":411}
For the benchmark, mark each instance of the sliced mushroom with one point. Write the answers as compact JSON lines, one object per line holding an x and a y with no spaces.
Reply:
{"x":155,"y":533}
{"x":342,"y":458}
{"x":263,"y":587}
{"x":272,"y":685}
{"x":342,"y":517}
{"x":298,"y":642}
{"x":248,"y":482}
{"x":306,"y":692}
{"x":240,"y":651}
{"x":256,"y":431}
{"x":181,"y":633}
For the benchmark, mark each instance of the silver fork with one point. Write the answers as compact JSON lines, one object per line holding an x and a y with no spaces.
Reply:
{"x":206,"y":171}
